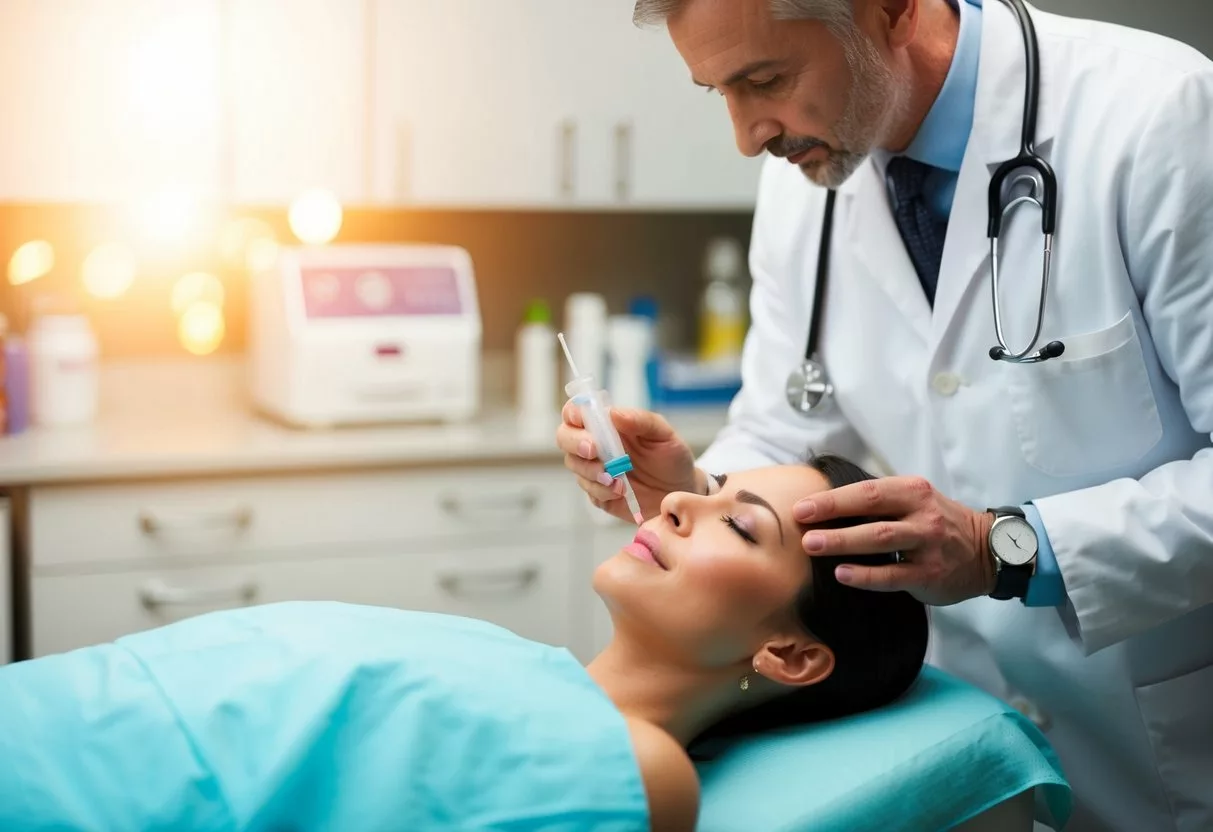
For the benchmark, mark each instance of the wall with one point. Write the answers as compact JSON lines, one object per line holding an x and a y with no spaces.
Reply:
{"x":1190,"y":21}
{"x":518,"y":255}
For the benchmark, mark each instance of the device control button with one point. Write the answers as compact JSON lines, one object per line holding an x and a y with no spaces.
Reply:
{"x":946,"y":384}
{"x":374,"y":290}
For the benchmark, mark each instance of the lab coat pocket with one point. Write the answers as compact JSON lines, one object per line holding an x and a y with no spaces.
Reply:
{"x":1091,"y":409}
{"x":1176,"y":716}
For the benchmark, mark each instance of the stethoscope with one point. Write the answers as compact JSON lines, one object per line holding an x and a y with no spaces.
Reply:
{"x":809,"y":389}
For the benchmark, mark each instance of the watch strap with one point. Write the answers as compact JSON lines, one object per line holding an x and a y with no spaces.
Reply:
{"x":1011,"y":581}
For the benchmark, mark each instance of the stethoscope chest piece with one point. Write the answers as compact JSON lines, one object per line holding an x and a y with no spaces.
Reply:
{"x":809,"y":389}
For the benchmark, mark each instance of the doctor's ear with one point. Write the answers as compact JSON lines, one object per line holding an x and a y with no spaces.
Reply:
{"x":794,"y":661}
{"x":897,"y":21}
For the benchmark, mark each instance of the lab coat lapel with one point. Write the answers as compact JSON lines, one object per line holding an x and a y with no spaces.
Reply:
{"x":875,"y":247}
{"x":995,"y":137}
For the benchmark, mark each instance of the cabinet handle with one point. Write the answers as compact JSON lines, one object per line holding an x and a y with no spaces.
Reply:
{"x":623,"y":161}
{"x":156,"y":594}
{"x":494,"y":581}
{"x":568,"y":158}
{"x":236,"y":519}
{"x":522,"y":504}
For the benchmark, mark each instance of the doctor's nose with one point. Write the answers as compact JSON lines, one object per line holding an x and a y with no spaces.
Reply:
{"x":752,"y":136}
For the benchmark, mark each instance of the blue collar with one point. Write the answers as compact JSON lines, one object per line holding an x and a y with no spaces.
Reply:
{"x":944,"y":135}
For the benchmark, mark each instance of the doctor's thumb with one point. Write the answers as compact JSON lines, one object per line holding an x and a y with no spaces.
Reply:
{"x":643,"y":425}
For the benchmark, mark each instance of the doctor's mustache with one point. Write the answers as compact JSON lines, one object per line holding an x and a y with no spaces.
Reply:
{"x":785,"y":146}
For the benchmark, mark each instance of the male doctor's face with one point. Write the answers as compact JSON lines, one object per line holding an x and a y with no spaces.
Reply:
{"x":821,"y":100}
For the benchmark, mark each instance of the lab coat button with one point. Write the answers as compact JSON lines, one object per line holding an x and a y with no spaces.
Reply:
{"x":946,"y":384}
{"x":1030,"y":710}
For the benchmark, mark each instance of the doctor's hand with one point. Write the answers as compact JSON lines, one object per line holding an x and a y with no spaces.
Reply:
{"x":944,"y":545}
{"x":661,"y":461}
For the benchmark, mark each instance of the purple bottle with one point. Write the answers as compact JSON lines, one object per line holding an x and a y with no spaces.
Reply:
{"x":16,"y":383}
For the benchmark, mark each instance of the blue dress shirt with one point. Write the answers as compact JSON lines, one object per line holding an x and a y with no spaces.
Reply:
{"x":941,"y":142}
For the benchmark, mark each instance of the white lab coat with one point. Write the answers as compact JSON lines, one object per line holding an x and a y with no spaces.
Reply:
{"x":1111,"y":441}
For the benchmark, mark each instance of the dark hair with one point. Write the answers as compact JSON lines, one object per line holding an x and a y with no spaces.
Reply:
{"x":879,"y":639}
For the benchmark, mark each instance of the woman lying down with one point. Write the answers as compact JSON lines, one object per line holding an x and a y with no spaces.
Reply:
{"x":335,"y":717}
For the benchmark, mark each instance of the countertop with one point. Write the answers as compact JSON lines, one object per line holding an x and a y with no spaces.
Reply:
{"x":173,"y":419}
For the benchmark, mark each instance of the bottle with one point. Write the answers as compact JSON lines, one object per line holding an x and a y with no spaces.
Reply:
{"x":535,"y":361}
{"x":629,"y":346}
{"x":65,"y":380}
{"x":722,"y":307}
{"x":585,"y":317}
{"x":16,"y":384}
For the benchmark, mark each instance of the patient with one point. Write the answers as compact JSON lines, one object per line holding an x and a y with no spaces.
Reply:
{"x":326,"y":716}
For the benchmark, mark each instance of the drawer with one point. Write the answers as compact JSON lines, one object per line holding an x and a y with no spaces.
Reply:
{"x":124,"y":523}
{"x":525,"y":589}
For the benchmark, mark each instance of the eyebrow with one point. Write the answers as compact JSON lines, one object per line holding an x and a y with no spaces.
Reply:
{"x":748,"y":69}
{"x":743,"y":496}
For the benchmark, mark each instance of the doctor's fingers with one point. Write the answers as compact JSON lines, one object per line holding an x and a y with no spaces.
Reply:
{"x":576,"y":442}
{"x":601,"y":495}
{"x":591,"y":472}
{"x":883,"y":497}
{"x":892,"y":578}
{"x":866,"y":539}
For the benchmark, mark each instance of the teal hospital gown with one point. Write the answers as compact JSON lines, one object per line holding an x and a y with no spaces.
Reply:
{"x":315,"y":716}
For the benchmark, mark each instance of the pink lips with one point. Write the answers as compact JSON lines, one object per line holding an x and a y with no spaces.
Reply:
{"x":646,"y":547}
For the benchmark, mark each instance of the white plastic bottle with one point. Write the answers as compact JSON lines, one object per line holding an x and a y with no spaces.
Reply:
{"x":585,"y":317}
{"x":64,"y":377}
{"x":629,"y":345}
{"x":722,"y":309}
{"x":536,"y":360}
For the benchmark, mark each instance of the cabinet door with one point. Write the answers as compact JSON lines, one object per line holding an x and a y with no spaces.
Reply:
{"x":682,"y":148}
{"x":6,"y":587}
{"x":297,"y":76}
{"x":108,"y":101}
{"x":524,"y":588}
{"x":474,"y":104}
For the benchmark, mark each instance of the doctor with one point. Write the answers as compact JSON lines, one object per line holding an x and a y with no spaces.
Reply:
{"x":1087,"y":600}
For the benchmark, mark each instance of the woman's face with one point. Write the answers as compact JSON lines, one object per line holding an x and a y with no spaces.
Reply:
{"x":712,"y":579}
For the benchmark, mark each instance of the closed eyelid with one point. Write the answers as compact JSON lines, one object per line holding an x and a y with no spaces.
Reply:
{"x":750,"y":498}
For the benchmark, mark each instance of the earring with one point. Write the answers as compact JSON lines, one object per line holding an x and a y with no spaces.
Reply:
{"x":745,"y":682}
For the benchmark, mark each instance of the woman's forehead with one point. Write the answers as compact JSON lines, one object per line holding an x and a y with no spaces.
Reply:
{"x":781,"y":485}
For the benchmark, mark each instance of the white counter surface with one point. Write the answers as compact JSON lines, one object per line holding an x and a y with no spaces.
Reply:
{"x":174,"y":419}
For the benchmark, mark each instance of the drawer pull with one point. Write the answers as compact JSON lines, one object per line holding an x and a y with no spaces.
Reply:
{"x":522,"y":504}
{"x":236,"y":519}
{"x":494,"y":581}
{"x":156,"y":594}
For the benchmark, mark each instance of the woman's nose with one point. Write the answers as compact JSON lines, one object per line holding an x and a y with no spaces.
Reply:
{"x":679,"y":508}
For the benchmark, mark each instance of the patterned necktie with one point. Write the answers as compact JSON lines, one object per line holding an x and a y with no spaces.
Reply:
{"x":922,"y":232}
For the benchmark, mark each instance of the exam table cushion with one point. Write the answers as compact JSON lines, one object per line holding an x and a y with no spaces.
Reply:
{"x":314,"y":717}
{"x":942,"y":754}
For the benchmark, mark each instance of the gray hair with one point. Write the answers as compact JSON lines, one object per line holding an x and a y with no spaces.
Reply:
{"x":837,"y":15}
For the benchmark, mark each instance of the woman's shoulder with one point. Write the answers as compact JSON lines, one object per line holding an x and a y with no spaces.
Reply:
{"x":671,"y":783}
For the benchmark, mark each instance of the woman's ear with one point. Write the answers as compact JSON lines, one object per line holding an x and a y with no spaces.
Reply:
{"x":794,"y":661}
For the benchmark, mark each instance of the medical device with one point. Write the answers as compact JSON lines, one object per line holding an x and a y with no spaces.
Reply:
{"x":809,"y":390}
{"x":359,"y":334}
{"x":595,"y":408}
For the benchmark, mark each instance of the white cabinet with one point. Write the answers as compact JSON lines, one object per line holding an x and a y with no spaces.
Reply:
{"x":296,"y":80}
{"x":496,"y":544}
{"x":544,"y":103}
{"x":6,"y":609}
{"x":108,"y":101}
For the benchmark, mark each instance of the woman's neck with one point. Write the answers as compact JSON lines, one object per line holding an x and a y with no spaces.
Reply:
{"x":683,"y":701}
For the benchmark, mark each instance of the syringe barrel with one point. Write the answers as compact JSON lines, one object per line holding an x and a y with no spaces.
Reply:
{"x":595,"y":409}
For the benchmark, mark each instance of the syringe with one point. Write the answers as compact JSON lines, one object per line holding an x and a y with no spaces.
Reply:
{"x":595,"y":408}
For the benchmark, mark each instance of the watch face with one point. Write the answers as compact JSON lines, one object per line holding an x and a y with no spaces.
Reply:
{"x":1013,"y":540}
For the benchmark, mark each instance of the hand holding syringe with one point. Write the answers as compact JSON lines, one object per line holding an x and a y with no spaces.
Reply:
{"x":595,"y":409}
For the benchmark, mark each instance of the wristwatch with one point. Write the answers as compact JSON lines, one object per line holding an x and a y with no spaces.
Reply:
{"x":1014,"y":545}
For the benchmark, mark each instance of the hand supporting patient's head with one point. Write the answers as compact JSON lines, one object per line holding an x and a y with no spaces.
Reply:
{"x":732,"y":593}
